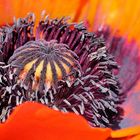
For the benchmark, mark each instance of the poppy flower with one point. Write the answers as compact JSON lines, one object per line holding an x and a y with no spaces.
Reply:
{"x":86,"y":68}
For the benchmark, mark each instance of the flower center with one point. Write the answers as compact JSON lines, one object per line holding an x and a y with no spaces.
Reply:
{"x":39,"y":62}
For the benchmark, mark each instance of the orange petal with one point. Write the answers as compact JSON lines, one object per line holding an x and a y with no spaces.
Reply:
{"x":137,"y":87}
{"x":126,"y":132}
{"x":137,"y":137}
{"x":120,"y":16}
{"x":54,"y":8}
{"x":33,"y":121}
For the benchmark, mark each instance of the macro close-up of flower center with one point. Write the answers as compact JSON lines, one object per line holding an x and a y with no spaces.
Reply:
{"x":61,"y":65}
{"x":70,"y":67}
{"x":49,"y":62}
